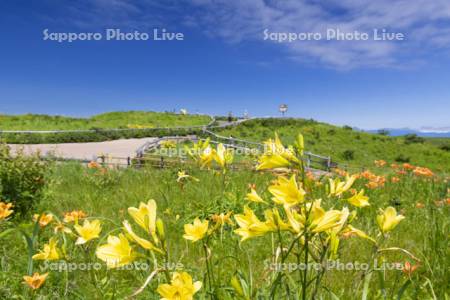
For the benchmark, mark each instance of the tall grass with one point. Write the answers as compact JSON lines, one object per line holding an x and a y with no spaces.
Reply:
{"x":107,"y":195}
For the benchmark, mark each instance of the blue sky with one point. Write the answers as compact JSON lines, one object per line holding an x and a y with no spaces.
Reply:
{"x":224,"y":64}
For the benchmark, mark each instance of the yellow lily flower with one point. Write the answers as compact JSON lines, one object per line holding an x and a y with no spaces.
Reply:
{"x":145,"y":216}
{"x":196,"y":231}
{"x":43,"y":219}
{"x":254,"y":197}
{"x":274,"y":220}
{"x":388,"y":219}
{"x":182,"y":176}
{"x":35,"y":281}
{"x":74,"y":216}
{"x":276,"y":155}
{"x":325,"y":220}
{"x":222,"y":219}
{"x":50,"y":251}
{"x":299,"y":144}
{"x":296,"y":220}
{"x":250,"y":225}
{"x":87,"y":232}
{"x":350,"y":230}
{"x":206,"y":156}
{"x":222,"y":156}
{"x":181,"y":287}
{"x":359,"y":200}
{"x":287,"y":192}
{"x":335,"y":231}
{"x":271,"y":161}
{"x":117,"y":252}
{"x":60,"y":227}
{"x":337,"y":188}
{"x":142,"y":242}
{"x":5,"y":210}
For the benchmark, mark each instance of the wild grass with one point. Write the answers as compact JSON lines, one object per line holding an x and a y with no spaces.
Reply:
{"x":349,"y":147}
{"x":126,"y":119}
{"x":107,"y":195}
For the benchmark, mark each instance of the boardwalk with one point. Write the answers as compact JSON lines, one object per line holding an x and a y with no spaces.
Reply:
{"x":86,"y":151}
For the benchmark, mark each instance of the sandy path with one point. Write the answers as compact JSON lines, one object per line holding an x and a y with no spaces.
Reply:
{"x":86,"y":151}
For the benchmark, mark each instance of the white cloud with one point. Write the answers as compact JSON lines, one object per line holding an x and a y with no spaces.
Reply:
{"x":425,"y":24}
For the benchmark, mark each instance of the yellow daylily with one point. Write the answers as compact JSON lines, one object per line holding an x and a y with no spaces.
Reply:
{"x":206,"y":156}
{"x":388,"y":219}
{"x":254,"y":197}
{"x":197,"y":148}
{"x":299,"y":144}
{"x":222,"y":219}
{"x":250,"y":225}
{"x":350,"y":230}
{"x":145,"y":216}
{"x":74,"y":216}
{"x":50,"y":251}
{"x":142,"y":242}
{"x":359,"y":199}
{"x":274,"y":220}
{"x":181,"y":287}
{"x":87,"y":232}
{"x":296,"y":220}
{"x":60,"y":227}
{"x":336,"y":230}
{"x":271,"y":161}
{"x":43,"y":219}
{"x":182,"y":176}
{"x":35,"y":281}
{"x":287,"y":192}
{"x":5,"y":210}
{"x":323,"y":220}
{"x":222,"y":156}
{"x":337,"y":188}
{"x":276,"y":155}
{"x":117,"y":252}
{"x":196,"y":231}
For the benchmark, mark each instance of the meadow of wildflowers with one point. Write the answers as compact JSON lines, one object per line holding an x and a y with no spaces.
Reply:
{"x":207,"y":231}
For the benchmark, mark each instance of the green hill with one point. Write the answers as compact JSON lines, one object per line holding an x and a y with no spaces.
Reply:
{"x":346,"y":146}
{"x":128,"y":119}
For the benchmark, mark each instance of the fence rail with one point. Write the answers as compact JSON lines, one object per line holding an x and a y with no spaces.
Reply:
{"x":312,"y":161}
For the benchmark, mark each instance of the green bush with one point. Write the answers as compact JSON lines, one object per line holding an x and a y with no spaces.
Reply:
{"x":99,"y":135}
{"x":445,"y":147}
{"x":22,"y":179}
{"x":413,"y":138}
{"x":402,"y":158}
{"x":348,"y":154}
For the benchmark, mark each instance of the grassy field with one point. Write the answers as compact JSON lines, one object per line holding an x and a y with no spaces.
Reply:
{"x":239,"y":270}
{"x":346,"y":146}
{"x":129,"y":119}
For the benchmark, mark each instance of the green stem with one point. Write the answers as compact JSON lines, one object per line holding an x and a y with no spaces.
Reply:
{"x":208,"y":271}
{"x":305,"y":271}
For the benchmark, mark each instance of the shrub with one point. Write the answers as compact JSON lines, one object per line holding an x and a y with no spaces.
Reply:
{"x":332,"y":132}
{"x":346,"y":127}
{"x":402,"y":159}
{"x":21,"y":180}
{"x":445,"y":147}
{"x":348,"y":154}
{"x":413,"y":138}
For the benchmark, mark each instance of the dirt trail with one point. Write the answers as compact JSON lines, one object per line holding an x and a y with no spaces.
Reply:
{"x":86,"y":151}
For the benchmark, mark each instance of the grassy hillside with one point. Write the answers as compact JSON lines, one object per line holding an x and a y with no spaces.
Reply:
{"x":129,"y":119}
{"x":344,"y":145}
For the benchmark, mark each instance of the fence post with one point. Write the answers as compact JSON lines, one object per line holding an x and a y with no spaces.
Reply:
{"x":128,"y":161}
{"x":161,"y":164}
